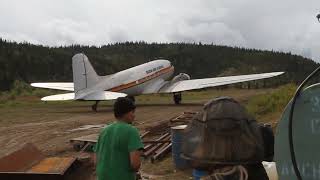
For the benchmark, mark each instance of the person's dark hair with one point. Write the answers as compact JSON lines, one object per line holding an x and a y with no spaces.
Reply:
{"x":122,"y":106}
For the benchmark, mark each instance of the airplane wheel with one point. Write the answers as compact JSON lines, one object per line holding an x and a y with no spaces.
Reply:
{"x":95,"y":106}
{"x":177,"y":98}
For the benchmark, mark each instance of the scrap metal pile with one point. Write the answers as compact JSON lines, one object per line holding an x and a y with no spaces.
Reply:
{"x":157,"y":137}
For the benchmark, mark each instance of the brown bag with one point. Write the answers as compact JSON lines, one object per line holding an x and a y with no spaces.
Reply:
{"x":222,"y":133}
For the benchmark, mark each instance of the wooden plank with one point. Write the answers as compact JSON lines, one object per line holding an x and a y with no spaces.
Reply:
{"x":156,"y":146}
{"x":89,"y":138}
{"x":93,"y":138}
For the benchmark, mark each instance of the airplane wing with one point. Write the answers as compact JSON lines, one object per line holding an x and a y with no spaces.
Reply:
{"x":96,"y":96}
{"x":56,"y":85}
{"x":186,"y":85}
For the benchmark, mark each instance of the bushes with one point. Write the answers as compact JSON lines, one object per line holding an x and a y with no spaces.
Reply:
{"x":22,"y":89}
{"x":19,"y":88}
{"x":271,"y":102}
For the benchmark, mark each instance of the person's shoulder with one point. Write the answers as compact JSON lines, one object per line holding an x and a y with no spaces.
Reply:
{"x":108,"y":127}
{"x":130,"y":128}
{"x":121,"y":125}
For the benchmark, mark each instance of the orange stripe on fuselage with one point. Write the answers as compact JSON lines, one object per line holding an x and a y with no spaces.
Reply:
{"x":143,"y":80}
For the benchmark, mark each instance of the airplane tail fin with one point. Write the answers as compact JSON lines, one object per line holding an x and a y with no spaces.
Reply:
{"x":84,"y":76}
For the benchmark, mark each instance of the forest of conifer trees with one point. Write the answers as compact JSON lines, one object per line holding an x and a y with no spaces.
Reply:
{"x":33,"y":63}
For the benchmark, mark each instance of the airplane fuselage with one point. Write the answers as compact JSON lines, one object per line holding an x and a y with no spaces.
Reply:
{"x":138,"y":80}
{"x":148,"y":78}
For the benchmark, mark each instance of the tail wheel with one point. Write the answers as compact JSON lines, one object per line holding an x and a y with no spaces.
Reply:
{"x":177,"y":98}
{"x":95,"y":106}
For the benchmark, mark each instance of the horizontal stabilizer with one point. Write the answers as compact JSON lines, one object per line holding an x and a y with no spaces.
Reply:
{"x":96,"y":96}
{"x":56,"y":85}
{"x":59,"y":97}
{"x":105,"y":95}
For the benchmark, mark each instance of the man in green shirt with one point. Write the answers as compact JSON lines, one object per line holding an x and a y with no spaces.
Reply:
{"x":119,"y":145}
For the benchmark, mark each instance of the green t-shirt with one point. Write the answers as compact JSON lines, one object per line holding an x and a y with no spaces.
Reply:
{"x":113,"y":149}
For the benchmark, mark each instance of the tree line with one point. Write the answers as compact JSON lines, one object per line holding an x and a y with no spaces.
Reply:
{"x":36,"y":63}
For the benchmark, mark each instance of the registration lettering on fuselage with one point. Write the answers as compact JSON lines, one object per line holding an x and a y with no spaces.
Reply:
{"x":154,"y":69}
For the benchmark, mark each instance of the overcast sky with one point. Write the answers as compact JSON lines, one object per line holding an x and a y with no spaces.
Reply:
{"x":284,"y":25}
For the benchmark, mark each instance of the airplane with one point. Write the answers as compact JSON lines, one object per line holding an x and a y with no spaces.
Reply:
{"x":149,"y":78}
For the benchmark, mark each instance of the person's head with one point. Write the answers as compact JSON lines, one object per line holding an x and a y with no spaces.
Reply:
{"x":124,"y":109}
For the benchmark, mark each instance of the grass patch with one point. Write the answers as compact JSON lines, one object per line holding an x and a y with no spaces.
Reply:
{"x":23,"y":93}
{"x":272,"y":102}
{"x":259,"y":101}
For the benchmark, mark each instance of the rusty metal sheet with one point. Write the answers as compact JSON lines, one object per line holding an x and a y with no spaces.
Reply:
{"x":53,"y":165}
{"x":29,"y":163}
{"x":29,"y":176}
{"x":21,"y":159}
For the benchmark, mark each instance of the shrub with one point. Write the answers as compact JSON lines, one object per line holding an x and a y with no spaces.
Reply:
{"x":271,"y":102}
{"x":21,"y":88}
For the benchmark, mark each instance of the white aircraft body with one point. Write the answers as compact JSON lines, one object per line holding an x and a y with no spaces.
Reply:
{"x":149,"y":78}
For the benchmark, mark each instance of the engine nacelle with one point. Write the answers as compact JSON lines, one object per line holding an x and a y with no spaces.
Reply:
{"x":180,"y":77}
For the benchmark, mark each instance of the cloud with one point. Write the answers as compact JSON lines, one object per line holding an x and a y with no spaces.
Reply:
{"x":287,"y":25}
{"x":65,"y":31}
{"x":208,"y":32}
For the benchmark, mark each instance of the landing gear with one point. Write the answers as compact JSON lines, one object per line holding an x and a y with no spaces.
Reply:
{"x":132,"y":98}
{"x":94,"y":107}
{"x":177,"y":98}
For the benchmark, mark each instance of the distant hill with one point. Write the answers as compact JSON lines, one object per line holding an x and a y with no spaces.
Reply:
{"x":33,"y":63}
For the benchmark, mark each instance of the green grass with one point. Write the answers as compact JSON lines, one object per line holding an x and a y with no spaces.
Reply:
{"x":23,"y":94}
{"x":272,"y":102}
{"x":20,"y":91}
{"x":200,"y":96}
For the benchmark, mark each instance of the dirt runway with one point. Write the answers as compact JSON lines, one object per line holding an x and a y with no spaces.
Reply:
{"x":50,"y":126}
{"x":51,"y":131}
